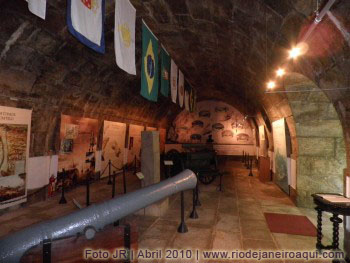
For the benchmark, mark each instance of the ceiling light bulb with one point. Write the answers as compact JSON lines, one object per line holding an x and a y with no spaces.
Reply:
{"x":280,"y":72}
{"x":294,"y":52}
{"x":271,"y":84}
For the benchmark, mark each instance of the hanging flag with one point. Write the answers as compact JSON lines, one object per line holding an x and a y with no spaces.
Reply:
{"x":193,"y":98}
{"x":37,"y":7}
{"x":181,"y":88}
{"x":85,"y":19}
{"x":173,"y":83}
{"x":165,"y":72}
{"x":124,"y":35}
{"x":149,"y":64}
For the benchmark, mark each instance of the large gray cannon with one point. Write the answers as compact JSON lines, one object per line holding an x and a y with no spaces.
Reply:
{"x":95,"y":217}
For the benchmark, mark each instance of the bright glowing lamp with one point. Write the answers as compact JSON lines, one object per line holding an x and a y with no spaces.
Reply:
{"x":280,"y":72}
{"x":294,"y":52}
{"x":271,"y":84}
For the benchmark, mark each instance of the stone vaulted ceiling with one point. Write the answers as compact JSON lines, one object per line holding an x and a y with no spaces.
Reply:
{"x":226,"y":48}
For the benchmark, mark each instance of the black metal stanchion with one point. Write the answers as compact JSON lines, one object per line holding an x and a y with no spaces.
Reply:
{"x":47,"y":251}
{"x":194,"y":214}
{"x":182,"y":227}
{"x":87,"y":189}
{"x":243,"y":157}
{"x":251,"y":167}
{"x":63,"y":199}
{"x":127,"y":241}
{"x":247,"y":162}
{"x":113,"y":185}
{"x":109,"y":172}
{"x":124,"y":179}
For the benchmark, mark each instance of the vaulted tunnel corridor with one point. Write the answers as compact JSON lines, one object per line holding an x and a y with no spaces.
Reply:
{"x":82,"y":112}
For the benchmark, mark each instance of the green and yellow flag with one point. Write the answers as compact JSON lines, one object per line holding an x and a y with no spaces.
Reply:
{"x":165,"y":72}
{"x":149,"y":68}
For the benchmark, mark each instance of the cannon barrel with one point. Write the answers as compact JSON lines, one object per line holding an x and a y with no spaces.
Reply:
{"x":13,"y":246}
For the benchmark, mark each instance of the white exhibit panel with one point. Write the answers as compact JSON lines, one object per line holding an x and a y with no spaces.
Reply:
{"x":289,"y":169}
{"x":15,"y":126}
{"x":293,"y":182}
{"x":98,"y":161}
{"x":54,"y":165}
{"x":38,"y":172}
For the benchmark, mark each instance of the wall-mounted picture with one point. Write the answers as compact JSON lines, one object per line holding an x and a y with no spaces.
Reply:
{"x":223,"y":122}
{"x":14,"y":152}
{"x":134,"y":149}
{"x":78,"y":146}
{"x":67,"y":146}
{"x":113,"y":145}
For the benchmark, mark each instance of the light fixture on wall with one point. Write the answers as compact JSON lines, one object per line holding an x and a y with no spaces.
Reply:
{"x":271,"y":85}
{"x":280,"y":72}
{"x":294,"y":52}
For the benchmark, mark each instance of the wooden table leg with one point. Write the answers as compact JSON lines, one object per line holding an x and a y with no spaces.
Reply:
{"x":319,"y":228}
{"x":336,"y":221}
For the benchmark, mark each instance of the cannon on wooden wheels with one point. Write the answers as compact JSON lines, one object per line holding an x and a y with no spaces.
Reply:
{"x":203,"y":163}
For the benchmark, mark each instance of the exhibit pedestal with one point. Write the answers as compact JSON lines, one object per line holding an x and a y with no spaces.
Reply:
{"x":150,"y":169}
{"x":150,"y":157}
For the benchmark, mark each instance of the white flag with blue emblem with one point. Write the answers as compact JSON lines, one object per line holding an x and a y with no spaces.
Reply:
{"x":37,"y":7}
{"x":181,"y":88}
{"x":173,"y":83}
{"x":85,"y":19}
{"x":124,"y":35}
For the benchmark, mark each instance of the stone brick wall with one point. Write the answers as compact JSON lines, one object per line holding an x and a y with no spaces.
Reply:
{"x":44,"y":68}
{"x":321,"y":149}
{"x":316,"y":134}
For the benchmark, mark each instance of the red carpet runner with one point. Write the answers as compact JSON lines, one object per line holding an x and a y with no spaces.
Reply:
{"x":290,"y":224}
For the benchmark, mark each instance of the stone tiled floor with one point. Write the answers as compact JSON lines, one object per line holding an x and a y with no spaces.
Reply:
{"x":229,"y":220}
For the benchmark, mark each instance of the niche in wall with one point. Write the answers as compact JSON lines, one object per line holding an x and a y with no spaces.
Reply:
{"x":228,"y":127}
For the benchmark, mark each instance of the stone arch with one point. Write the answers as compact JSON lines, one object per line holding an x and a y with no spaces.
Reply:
{"x":321,"y":154}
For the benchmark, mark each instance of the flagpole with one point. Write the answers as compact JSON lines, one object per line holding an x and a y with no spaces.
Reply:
{"x":166,"y":51}
{"x":143,"y":21}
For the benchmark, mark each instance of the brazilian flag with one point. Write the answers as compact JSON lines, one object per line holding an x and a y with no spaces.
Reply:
{"x":165,"y":72}
{"x":149,"y":68}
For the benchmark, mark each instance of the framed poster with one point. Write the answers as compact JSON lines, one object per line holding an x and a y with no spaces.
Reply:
{"x":134,"y":149}
{"x":78,"y":145}
{"x":113,"y":145}
{"x":14,"y":155}
{"x":280,"y":155}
